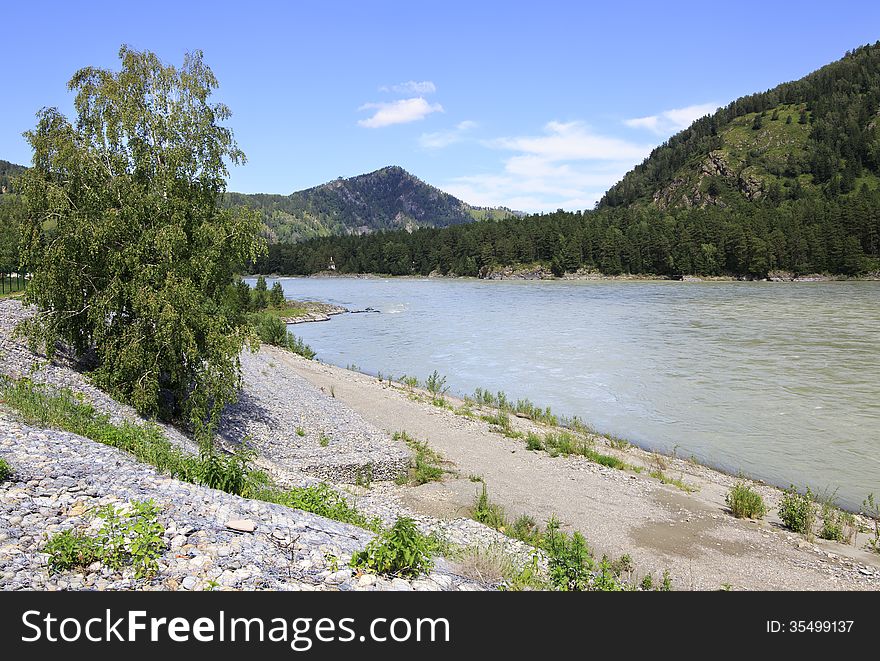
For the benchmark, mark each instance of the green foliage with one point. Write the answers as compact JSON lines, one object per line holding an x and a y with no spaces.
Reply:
{"x":139,"y":256}
{"x":436,"y":384}
{"x":128,"y":536}
{"x":572,"y":567}
{"x":798,"y":511}
{"x":230,"y":472}
{"x":488,"y":513}
{"x":837,"y":525}
{"x":426,"y":465}
{"x":271,"y":330}
{"x":871,"y":509}
{"x":71,"y":549}
{"x":276,"y":297}
{"x":534,"y":442}
{"x":744,"y":502}
{"x":401,"y":550}
{"x":5,"y":470}
{"x":319,"y":499}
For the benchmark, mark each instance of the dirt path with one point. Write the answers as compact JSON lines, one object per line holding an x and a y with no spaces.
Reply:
{"x":659,"y":526}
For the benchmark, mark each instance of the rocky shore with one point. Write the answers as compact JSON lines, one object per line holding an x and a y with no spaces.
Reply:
{"x":60,"y":479}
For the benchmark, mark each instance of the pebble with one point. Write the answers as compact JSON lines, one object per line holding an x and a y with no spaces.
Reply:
{"x":60,"y":479}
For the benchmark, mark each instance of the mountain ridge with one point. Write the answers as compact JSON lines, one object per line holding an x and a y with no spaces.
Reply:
{"x":389,"y":198}
{"x":817,"y":135}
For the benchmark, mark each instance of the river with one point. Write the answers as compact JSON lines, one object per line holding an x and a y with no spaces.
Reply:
{"x":779,"y":381}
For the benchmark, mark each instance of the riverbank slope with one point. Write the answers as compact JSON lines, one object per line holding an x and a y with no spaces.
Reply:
{"x":660,"y":526}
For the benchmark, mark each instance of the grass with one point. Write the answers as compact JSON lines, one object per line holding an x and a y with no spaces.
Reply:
{"x":673,"y":481}
{"x":62,"y":409}
{"x":426,"y":465}
{"x":745,"y":503}
{"x":493,"y":564}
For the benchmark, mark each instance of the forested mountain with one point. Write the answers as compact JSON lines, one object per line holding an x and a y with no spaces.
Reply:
{"x":782,"y":180}
{"x":390,"y":198}
{"x":7,"y":171}
{"x":817,"y":135}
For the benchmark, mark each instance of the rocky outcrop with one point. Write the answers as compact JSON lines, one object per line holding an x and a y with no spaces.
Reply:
{"x":695,"y":191}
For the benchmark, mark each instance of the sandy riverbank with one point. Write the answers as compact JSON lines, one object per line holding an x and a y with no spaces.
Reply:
{"x":620,"y":512}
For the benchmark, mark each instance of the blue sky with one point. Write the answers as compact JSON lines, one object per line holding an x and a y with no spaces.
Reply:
{"x":534,"y":106}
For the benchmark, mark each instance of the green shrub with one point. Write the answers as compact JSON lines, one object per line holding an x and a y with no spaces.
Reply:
{"x":526,"y":529}
{"x":534,"y":442}
{"x":271,"y":330}
{"x":798,"y":511}
{"x":319,"y":499}
{"x":837,"y":525}
{"x":436,"y":384}
{"x":70,"y":549}
{"x":569,"y":559}
{"x":132,"y":537}
{"x":401,"y":550}
{"x":745,"y":503}
{"x":5,"y":470}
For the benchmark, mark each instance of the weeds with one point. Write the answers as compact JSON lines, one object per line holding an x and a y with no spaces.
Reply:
{"x":674,"y":481}
{"x":798,"y":511}
{"x":436,"y":384}
{"x":744,"y":502}
{"x":364,"y":476}
{"x":534,"y":442}
{"x":837,"y":525}
{"x":488,"y":513}
{"x":300,"y":431}
{"x":64,"y":410}
{"x":5,"y":470}
{"x":426,"y":462}
{"x":323,"y":440}
{"x":871,"y":509}
{"x":126,"y":537}
{"x":401,"y":550}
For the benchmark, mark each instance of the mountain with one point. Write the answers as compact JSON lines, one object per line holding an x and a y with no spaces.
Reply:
{"x":7,"y":171}
{"x":387,"y":199}
{"x":819,"y":135}
{"x":779,"y":184}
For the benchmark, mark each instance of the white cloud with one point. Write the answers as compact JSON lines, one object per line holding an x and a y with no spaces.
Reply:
{"x":411,"y":87}
{"x":671,"y":121}
{"x":571,"y":141}
{"x":401,"y":111}
{"x":569,"y":166}
{"x":442,"y":139}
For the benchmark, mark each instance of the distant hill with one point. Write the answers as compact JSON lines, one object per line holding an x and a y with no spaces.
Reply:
{"x":387,"y":199}
{"x":816,"y":135}
{"x":777,"y":184}
{"x":7,"y":171}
